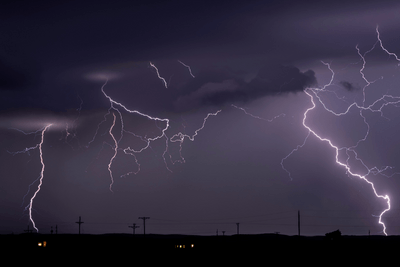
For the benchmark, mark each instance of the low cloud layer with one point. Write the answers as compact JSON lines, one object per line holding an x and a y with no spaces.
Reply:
{"x":270,"y":80}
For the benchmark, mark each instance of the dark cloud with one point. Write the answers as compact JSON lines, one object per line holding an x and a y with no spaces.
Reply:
{"x":13,"y":76}
{"x":273,"y":79}
{"x":56,"y":56}
{"x":279,"y":79}
{"x":348,"y":85}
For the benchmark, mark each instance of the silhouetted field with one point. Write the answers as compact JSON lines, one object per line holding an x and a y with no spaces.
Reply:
{"x":151,"y":241}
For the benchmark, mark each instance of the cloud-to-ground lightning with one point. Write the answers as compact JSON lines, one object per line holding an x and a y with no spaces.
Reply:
{"x":119,"y":113}
{"x":375,"y":106}
{"x":115,"y":152}
{"x":344,"y":164}
{"x":158,"y":75}
{"x":41,"y":175}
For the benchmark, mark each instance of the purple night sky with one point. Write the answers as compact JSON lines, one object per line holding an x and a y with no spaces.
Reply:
{"x":254,"y":62}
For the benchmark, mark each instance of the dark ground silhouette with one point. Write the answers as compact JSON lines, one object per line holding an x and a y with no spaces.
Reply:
{"x":155,"y":241}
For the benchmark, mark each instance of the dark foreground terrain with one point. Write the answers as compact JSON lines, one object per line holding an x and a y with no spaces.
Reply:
{"x":150,"y":241}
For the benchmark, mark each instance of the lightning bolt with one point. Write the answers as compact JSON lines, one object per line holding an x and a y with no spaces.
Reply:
{"x":294,"y":150}
{"x":309,"y":92}
{"x":115,"y":153}
{"x":41,"y":176}
{"x":117,"y":107}
{"x":158,"y":75}
{"x":180,"y":137}
{"x":376,"y":106}
{"x":381,"y":44}
{"x":314,"y":94}
{"x":148,"y":140}
{"x":258,"y":117}
{"x":187,"y":66}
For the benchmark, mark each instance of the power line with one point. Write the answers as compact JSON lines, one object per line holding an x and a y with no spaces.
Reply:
{"x":134,"y":227}
{"x":144,"y":223}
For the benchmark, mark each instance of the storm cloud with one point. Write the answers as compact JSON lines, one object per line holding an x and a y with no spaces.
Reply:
{"x":271,"y":80}
{"x":348,"y":85}
{"x":56,"y":57}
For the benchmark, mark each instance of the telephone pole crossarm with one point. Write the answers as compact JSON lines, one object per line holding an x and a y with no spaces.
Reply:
{"x":79,"y":222}
{"x":144,"y":223}
{"x":133,"y":226}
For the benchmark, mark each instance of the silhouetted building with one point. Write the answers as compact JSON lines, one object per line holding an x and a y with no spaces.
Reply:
{"x":335,"y":235}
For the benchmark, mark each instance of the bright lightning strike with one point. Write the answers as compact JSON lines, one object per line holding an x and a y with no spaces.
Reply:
{"x":117,"y":110}
{"x":41,"y":176}
{"x":148,"y":140}
{"x":345,"y":165}
{"x":383,"y":48}
{"x":115,"y":152}
{"x":376,"y":106}
{"x":117,"y":107}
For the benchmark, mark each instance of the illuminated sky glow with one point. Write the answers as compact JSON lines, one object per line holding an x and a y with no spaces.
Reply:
{"x":201,"y":119}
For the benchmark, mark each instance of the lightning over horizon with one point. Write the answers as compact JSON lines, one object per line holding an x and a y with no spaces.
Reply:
{"x":41,"y":175}
{"x":115,"y":153}
{"x":116,"y":108}
{"x":201,"y":118}
{"x":380,"y":103}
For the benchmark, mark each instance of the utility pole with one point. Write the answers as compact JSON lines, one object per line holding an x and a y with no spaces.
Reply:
{"x":28,"y":231}
{"x":237,"y":228}
{"x":144,"y":223}
{"x":79,"y":222}
{"x":298,"y":222}
{"x":134,"y":227}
